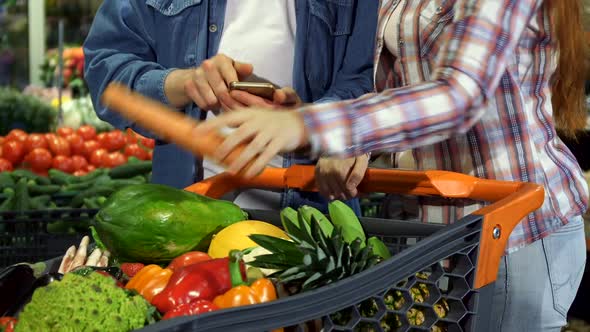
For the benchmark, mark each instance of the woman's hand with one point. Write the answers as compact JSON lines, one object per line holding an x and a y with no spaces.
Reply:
{"x":207,"y":85}
{"x":339,"y":178}
{"x":265,"y":132}
{"x":284,"y":97}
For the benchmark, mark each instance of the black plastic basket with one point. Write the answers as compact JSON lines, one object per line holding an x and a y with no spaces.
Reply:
{"x":28,"y":236}
{"x":441,"y":278}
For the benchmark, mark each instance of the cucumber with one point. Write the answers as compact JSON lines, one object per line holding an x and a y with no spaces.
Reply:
{"x":43,"y":189}
{"x":131,"y":169}
{"x":91,"y":203}
{"x":21,"y":196}
{"x":92,"y":175}
{"x":40,"y":202}
{"x":102,"y":179}
{"x":101,"y":190}
{"x":23,"y":173}
{"x":6,"y":180}
{"x":8,"y":203}
{"x":62,"y":178}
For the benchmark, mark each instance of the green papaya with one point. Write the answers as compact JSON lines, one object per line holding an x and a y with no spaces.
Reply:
{"x":152,"y":223}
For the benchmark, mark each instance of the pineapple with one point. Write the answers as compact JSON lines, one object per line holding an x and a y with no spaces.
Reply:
{"x":312,"y":258}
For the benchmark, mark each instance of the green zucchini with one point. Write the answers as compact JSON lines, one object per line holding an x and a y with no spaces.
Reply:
{"x":92,"y":175}
{"x":40,"y":202}
{"x":61,"y":178}
{"x":21,"y":196}
{"x":6,"y":180}
{"x":8,"y":203}
{"x":23,"y":173}
{"x":100,"y":190}
{"x":46,"y":189}
{"x":131,"y":169}
{"x":91,"y":203}
{"x":102,"y":179}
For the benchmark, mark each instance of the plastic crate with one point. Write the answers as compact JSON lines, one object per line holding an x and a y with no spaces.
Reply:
{"x":435,"y":268}
{"x":24,"y":236}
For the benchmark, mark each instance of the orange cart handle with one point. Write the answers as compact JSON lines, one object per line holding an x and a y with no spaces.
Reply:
{"x":511,"y":201}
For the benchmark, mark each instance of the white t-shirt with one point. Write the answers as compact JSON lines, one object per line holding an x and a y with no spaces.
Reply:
{"x":262,"y":33}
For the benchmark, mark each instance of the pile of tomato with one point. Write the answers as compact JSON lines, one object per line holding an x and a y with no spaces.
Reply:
{"x":72,"y":151}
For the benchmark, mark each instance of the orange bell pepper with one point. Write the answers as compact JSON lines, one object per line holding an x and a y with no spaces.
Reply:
{"x":150,"y":281}
{"x":261,"y":290}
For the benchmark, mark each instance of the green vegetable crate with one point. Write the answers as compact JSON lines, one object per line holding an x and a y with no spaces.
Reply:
{"x":440,"y":277}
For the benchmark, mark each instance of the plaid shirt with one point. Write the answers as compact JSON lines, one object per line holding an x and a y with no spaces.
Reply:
{"x":471,"y":95}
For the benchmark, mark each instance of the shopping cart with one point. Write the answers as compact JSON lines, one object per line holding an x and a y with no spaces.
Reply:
{"x":440,"y":278}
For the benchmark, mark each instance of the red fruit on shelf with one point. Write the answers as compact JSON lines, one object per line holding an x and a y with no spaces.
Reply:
{"x":102,"y":139}
{"x":17,"y":134}
{"x":87,"y":132}
{"x":131,"y":269}
{"x":64,"y":131}
{"x":150,"y":154}
{"x":90,"y":168}
{"x":5,"y":165}
{"x":136,"y":151}
{"x":113,"y":159}
{"x":79,"y":162}
{"x":115,"y":140}
{"x":35,"y":141}
{"x":64,"y":164}
{"x":80,"y":172}
{"x":89,"y":147}
{"x":148,"y":142}
{"x":39,"y":159}
{"x":13,"y":151}
{"x":76,"y":143}
{"x":96,"y":157}
{"x":59,"y":146}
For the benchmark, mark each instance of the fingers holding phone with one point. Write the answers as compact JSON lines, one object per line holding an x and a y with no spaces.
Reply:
{"x":263,"y":95}
{"x":208,"y":85}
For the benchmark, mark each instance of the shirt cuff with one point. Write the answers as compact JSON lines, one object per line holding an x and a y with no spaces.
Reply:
{"x":151,"y":84}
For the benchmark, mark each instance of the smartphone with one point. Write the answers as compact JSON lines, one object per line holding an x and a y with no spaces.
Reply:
{"x":261,"y":89}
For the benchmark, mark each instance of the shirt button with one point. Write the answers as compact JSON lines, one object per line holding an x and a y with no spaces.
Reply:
{"x":439,"y":10}
{"x":213,"y":28}
{"x":401,"y":42}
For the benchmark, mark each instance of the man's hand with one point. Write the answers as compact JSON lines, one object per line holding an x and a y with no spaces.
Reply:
{"x":339,"y":178}
{"x":207,"y":85}
{"x":285,"y":97}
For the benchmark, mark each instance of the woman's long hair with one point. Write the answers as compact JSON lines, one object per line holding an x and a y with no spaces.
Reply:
{"x":568,"y":84}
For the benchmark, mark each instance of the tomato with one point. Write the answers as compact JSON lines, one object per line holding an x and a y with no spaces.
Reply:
{"x":35,"y":141}
{"x":102,"y":139}
{"x":96,"y":157}
{"x":113,"y":159}
{"x":59,"y":146}
{"x":79,"y":162}
{"x":150,"y":154}
{"x":64,"y":164}
{"x":5,"y":165}
{"x":80,"y":172}
{"x":191,"y":257}
{"x":64,"y":131}
{"x":89,"y":147}
{"x":131,"y":136}
{"x":115,"y":140}
{"x":148,"y":142}
{"x":7,"y":324}
{"x":87,"y":132}
{"x":89,"y":168}
{"x":1,"y":140}
{"x":76,"y":143}
{"x":136,"y":151}
{"x":13,"y":151}
{"x":17,"y":134}
{"x":39,"y":159}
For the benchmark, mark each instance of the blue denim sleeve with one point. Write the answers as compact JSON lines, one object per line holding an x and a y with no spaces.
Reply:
{"x":355,"y":77}
{"x":118,"y":48}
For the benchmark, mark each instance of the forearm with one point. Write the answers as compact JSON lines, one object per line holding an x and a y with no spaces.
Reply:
{"x":174,"y":87}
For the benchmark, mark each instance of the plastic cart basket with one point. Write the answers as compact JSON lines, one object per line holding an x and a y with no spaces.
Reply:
{"x":440,"y":278}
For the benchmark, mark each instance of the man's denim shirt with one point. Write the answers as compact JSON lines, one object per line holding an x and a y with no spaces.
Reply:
{"x":138,"y":42}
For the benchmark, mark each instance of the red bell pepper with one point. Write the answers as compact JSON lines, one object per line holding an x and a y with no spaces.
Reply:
{"x":191,"y":257}
{"x":7,"y":324}
{"x":200,"y":281}
{"x":193,"y":308}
